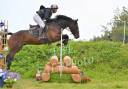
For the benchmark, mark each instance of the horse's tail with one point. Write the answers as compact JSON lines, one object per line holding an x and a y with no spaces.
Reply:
{"x":9,"y":33}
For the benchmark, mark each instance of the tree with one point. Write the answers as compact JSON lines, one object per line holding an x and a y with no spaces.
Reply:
{"x":120,"y":18}
{"x":117,"y":26}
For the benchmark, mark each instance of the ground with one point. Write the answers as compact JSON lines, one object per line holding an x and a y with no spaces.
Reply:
{"x":94,"y":84}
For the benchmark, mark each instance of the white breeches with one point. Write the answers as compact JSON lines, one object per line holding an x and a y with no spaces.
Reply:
{"x":38,"y":20}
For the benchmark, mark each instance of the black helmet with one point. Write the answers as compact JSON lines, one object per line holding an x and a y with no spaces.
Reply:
{"x":42,"y":7}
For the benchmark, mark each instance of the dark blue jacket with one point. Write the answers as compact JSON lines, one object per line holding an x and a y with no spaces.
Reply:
{"x":44,"y":13}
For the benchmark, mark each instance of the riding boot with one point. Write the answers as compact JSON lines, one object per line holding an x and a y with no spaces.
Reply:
{"x":40,"y":31}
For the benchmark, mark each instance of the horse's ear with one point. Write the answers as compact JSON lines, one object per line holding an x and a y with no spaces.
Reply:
{"x":76,"y":20}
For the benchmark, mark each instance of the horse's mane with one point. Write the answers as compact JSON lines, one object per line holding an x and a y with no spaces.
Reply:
{"x":63,"y":17}
{"x":60,"y":17}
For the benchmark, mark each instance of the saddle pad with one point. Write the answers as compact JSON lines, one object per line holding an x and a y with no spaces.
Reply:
{"x":34,"y":31}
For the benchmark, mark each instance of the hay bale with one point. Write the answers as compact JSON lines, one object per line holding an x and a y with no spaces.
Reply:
{"x":45,"y":77}
{"x":67,"y":61}
{"x":76,"y":78}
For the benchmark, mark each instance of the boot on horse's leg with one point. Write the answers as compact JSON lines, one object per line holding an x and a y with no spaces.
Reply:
{"x":9,"y":60}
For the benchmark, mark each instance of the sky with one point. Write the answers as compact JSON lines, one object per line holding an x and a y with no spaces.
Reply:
{"x":91,"y":14}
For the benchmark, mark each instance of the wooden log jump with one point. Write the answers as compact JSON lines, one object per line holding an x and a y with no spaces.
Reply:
{"x":53,"y":66}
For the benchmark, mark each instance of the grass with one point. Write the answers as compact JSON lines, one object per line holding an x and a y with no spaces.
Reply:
{"x":108,"y":70}
{"x":94,"y":84}
{"x":100,"y":80}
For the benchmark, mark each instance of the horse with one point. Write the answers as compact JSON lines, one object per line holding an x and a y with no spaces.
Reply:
{"x":54,"y":27}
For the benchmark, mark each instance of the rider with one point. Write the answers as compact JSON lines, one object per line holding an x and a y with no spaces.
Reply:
{"x":44,"y":14}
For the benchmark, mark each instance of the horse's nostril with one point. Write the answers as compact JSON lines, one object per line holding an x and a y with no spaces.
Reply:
{"x":76,"y":36}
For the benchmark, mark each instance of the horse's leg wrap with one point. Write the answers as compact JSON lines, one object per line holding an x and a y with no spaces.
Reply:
{"x":9,"y":61}
{"x":65,"y":39}
{"x":12,"y":53}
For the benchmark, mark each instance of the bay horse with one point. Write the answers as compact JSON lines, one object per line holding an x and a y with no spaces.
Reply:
{"x":53,"y":33}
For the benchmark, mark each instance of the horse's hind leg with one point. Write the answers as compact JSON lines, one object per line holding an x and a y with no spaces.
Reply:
{"x":11,"y":54}
{"x":9,"y":59}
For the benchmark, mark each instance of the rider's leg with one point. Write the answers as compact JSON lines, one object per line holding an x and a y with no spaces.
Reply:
{"x":40,"y":22}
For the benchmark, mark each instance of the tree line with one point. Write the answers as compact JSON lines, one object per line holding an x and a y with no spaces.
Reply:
{"x":117,"y":25}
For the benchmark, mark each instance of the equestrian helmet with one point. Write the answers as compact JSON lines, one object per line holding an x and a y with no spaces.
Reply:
{"x":54,"y":6}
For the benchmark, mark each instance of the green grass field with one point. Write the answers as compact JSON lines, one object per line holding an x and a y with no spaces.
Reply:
{"x":94,"y":84}
{"x":105,"y":62}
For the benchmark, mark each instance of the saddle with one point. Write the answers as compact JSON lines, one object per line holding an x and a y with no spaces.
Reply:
{"x":36,"y":31}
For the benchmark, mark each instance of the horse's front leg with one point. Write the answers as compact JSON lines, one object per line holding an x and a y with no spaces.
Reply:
{"x":65,"y":39}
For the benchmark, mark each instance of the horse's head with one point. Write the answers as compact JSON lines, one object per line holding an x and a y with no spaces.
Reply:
{"x":73,"y":26}
{"x":65,"y":21}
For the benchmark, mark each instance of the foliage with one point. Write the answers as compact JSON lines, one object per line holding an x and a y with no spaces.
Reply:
{"x":117,"y":25}
{"x":9,"y":81}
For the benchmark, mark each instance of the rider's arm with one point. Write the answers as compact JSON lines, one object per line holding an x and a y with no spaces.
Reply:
{"x":48,"y":13}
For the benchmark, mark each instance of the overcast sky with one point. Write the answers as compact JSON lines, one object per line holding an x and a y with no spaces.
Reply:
{"x":91,"y":13}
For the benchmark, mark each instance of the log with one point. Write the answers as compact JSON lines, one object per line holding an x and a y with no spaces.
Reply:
{"x":56,"y":69}
{"x":54,"y":61}
{"x":67,"y":61}
{"x":45,"y":77}
{"x":76,"y":78}
{"x":85,"y":79}
{"x":47,"y":68}
{"x":71,"y":70}
{"x":65,"y":70}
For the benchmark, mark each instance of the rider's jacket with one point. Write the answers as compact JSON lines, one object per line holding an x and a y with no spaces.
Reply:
{"x":45,"y":13}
